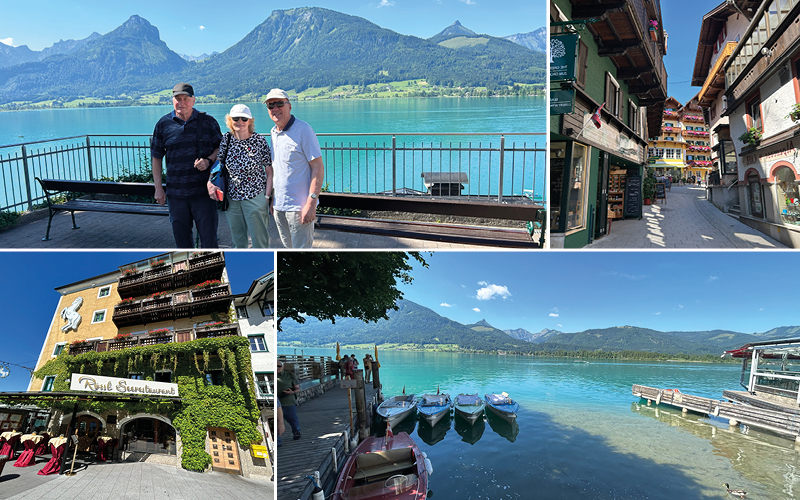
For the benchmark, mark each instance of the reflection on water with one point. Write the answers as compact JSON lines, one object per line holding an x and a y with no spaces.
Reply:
{"x":508,"y":430}
{"x":469,"y":433}
{"x":432,"y":435}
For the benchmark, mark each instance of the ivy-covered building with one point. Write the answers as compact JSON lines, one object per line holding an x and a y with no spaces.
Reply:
{"x":164,"y":332}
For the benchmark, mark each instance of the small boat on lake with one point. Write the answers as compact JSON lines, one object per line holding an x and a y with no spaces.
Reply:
{"x":469,"y":407}
{"x":390,"y":467}
{"x":502,"y":406}
{"x":433,"y":407}
{"x":397,"y":408}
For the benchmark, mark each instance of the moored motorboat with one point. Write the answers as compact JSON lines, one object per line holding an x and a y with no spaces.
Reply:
{"x":432,"y":407}
{"x":469,"y":407}
{"x":390,"y":467}
{"x":397,"y":408}
{"x":502,"y":406}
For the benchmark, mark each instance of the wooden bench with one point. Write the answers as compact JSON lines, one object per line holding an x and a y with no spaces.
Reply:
{"x":52,"y":187}
{"x":531,"y":213}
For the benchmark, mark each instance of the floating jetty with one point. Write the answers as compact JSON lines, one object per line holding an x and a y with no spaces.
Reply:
{"x":742,"y":408}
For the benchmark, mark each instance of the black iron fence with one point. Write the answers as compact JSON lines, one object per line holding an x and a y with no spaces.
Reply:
{"x":496,"y":169}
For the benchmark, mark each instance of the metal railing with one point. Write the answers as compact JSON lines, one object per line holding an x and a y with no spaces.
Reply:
{"x":493,"y":169}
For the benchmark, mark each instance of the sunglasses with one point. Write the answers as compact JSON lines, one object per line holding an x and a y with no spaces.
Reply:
{"x":279,"y":104}
{"x":237,"y":118}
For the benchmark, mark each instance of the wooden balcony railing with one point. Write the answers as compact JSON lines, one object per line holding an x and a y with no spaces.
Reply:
{"x":185,"y":335}
{"x":185,"y":304}
{"x":196,"y":269}
{"x":310,"y":367}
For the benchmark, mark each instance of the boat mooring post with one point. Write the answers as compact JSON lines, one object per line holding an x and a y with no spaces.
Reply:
{"x":376,"y":379}
{"x":361,"y":406}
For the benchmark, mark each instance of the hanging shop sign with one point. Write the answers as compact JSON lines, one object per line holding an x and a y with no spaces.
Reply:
{"x":563,"y":53}
{"x":562,"y":101}
{"x":98,"y":383}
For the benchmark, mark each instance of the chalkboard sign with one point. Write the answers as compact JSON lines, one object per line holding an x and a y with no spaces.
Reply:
{"x":556,"y":181}
{"x":633,"y":191}
{"x":661,"y":192}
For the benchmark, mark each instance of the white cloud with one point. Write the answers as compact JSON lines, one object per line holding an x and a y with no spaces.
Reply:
{"x":482,"y":283}
{"x":202,"y":28}
{"x":680,"y":306}
{"x":489,"y":292}
{"x":7,"y":41}
{"x":559,"y":325}
{"x":553,"y":315}
{"x":476,"y":309}
{"x":712,"y":278}
{"x":385,"y":3}
{"x":468,"y":2}
{"x":445,"y":304}
{"x":656,"y":314}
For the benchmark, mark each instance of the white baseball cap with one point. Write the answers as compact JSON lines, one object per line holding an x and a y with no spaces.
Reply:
{"x":277,"y":94}
{"x":241,"y":111}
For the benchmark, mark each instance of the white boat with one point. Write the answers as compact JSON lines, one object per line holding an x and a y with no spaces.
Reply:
{"x":502,"y":406}
{"x":470,"y":407}
{"x":433,"y":407}
{"x":395,"y":409}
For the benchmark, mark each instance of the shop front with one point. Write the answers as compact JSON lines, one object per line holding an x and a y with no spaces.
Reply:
{"x":769,"y":189}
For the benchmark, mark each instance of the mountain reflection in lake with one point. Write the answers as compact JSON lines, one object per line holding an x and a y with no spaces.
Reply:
{"x":580,"y":432}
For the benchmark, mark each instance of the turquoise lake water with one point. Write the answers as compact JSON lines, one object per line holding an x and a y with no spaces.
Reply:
{"x":581,"y":434}
{"x":367,"y":171}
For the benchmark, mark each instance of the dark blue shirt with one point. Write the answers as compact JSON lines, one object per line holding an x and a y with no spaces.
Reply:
{"x":177,"y":140}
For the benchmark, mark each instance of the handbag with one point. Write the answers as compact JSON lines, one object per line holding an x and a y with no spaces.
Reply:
{"x":219,"y":177}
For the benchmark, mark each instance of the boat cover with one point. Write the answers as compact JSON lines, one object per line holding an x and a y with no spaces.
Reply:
{"x":468,"y":399}
{"x":435,"y":399}
{"x":500,"y":399}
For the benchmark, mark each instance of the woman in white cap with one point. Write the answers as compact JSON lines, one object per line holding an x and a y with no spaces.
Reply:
{"x":247,"y":157}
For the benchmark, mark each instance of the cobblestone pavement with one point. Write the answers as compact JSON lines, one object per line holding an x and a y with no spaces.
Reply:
{"x":128,"y":481}
{"x":686,"y":221}
{"x":123,"y":231}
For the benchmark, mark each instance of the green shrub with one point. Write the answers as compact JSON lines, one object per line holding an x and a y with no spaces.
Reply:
{"x":8,"y":219}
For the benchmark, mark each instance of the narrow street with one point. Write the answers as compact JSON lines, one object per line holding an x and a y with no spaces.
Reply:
{"x":686,"y":221}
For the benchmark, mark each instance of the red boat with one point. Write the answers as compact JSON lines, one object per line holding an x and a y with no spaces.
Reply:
{"x":391,"y":467}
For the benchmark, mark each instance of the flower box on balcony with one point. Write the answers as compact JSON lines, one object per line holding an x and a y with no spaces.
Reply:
{"x":123,"y":336}
{"x":161,"y":332}
{"x":156,"y":295}
{"x":207,"y":284}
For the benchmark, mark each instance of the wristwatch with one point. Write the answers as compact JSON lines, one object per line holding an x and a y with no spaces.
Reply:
{"x":313,"y":196}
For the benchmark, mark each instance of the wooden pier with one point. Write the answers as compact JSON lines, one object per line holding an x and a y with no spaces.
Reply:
{"x":773,"y":417}
{"x":324,"y":422}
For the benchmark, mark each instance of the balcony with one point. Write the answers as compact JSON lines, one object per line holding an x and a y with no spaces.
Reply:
{"x":622,"y":32}
{"x":200,"y":267}
{"x":178,"y":336}
{"x":185,"y":304}
{"x":693,"y":118}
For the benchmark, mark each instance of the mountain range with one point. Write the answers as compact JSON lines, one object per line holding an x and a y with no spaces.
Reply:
{"x":293,"y":49}
{"x":418,"y":325}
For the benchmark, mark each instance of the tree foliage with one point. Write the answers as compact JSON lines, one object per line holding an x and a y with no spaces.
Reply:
{"x":327,"y":285}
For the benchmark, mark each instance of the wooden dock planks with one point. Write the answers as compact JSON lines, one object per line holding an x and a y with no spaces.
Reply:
{"x":323,"y":421}
{"x":781,"y":422}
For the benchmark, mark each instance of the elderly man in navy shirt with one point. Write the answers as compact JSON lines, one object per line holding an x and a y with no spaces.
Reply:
{"x":190,"y":141}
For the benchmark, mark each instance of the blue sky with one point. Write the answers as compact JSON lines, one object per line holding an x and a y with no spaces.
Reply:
{"x":203,"y":26}
{"x":574,"y":291}
{"x":27,"y":289}
{"x":682,"y":20}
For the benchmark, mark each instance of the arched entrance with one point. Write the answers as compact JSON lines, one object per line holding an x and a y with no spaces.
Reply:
{"x":148,"y":435}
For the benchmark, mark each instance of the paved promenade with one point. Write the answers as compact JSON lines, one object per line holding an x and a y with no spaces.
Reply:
{"x":686,"y":221}
{"x":122,"y":231}
{"x":128,"y":481}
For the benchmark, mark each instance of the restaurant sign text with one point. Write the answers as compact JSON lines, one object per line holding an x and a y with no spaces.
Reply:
{"x":98,"y":383}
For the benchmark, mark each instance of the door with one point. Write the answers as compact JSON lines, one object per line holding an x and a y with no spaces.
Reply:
{"x":602,"y":197}
{"x":89,"y":429}
{"x":224,"y":450}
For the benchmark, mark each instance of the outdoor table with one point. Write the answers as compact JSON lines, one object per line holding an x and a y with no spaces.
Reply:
{"x":43,"y":444}
{"x":102,"y":446}
{"x":57,"y":447}
{"x":28,"y":457}
{"x":12,"y":438}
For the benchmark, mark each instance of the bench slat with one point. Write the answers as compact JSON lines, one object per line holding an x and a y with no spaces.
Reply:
{"x":113,"y":207}
{"x":129,"y":188}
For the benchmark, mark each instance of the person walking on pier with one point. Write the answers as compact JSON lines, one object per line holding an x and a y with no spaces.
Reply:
{"x":367,"y":367}
{"x":299,"y":172}
{"x":288,"y":386}
{"x":189,"y":139}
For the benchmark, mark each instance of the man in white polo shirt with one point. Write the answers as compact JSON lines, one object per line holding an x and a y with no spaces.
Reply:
{"x":298,"y":171}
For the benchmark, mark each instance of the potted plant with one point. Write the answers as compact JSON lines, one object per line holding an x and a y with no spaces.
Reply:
{"x":156,"y":295}
{"x":158,"y":263}
{"x":126,"y":301}
{"x":653,"y":29}
{"x":794,"y":114}
{"x":751,"y":137}
{"x":207,"y":284}
{"x":123,"y":336}
{"x":649,"y":190}
{"x":213,"y":324}
{"x":129,"y":272}
{"x":161,"y":332}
